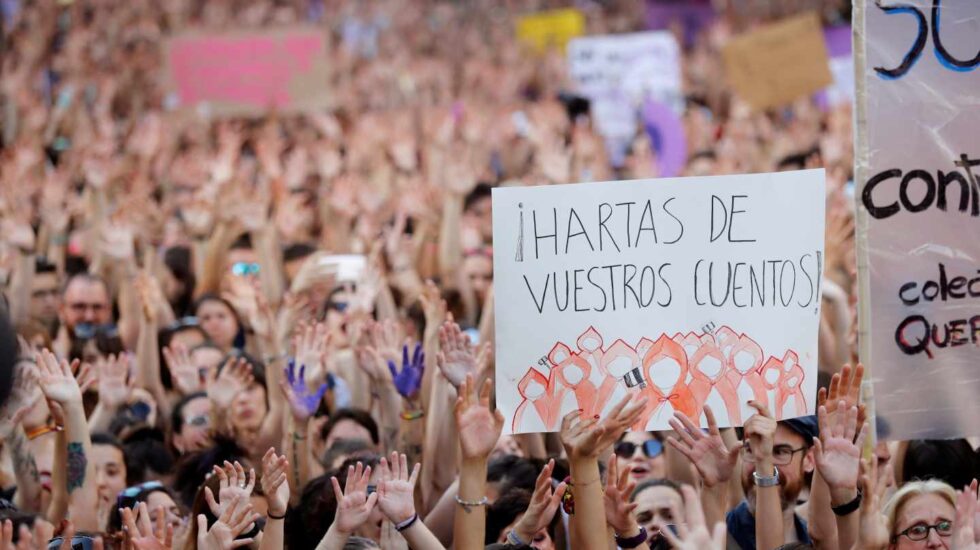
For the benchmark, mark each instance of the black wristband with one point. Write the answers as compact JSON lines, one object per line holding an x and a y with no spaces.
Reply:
{"x":270,"y":516}
{"x":407,"y":523}
{"x":633,"y":541}
{"x":848,"y":508}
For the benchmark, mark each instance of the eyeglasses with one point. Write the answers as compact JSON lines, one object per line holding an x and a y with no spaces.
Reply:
{"x":652,"y":448}
{"x":183,"y":322}
{"x":781,"y":454}
{"x":129,"y":497}
{"x":78,"y":542}
{"x":199,"y":421}
{"x":244,"y":268}
{"x":920,"y":531}
{"x":87,"y":331}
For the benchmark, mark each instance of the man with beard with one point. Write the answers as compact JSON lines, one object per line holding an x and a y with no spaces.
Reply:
{"x":776,"y":457}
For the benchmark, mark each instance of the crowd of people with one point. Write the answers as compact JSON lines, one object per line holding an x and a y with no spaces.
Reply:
{"x":278,"y":331}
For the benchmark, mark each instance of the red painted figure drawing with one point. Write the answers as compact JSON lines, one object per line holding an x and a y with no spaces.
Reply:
{"x":681,"y":373}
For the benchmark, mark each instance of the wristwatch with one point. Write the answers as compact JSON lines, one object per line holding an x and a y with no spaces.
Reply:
{"x":767,"y":481}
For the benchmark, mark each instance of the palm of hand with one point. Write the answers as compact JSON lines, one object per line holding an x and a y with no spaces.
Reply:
{"x":478,"y":432}
{"x":397,"y":500}
{"x":712,"y":459}
{"x":873,"y":531}
{"x":617,"y":508}
{"x":224,"y":390}
{"x":112,"y":390}
{"x":59,"y":388}
{"x":219,"y":537}
{"x":840,"y":462}
{"x":353,"y":511}
{"x":227,"y":496}
{"x":457,"y":365}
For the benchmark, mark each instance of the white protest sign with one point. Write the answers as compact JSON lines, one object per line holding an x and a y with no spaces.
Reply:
{"x":919,"y":201}
{"x":619,"y":72}
{"x":691,"y":291}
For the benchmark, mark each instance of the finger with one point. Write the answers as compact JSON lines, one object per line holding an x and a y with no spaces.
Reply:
{"x":403,"y":465}
{"x":821,"y":396}
{"x":690,"y":427}
{"x":160,"y":531}
{"x":241,"y":543}
{"x":251,"y":481}
{"x":681,"y":432}
{"x":129,"y":521}
{"x":683,"y":449}
{"x":415,"y":474}
{"x":485,"y":390}
{"x":833,"y":389}
{"x":695,"y":514}
{"x":349,"y":482}
{"x":712,"y":423}
{"x":611,"y":469}
{"x":849,"y":425}
{"x":385,"y":470}
{"x":817,"y":450}
{"x":760,"y":408}
{"x":209,"y":498}
{"x":337,"y":493}
{"x":202,"y":524}
{"x":856,"y":380}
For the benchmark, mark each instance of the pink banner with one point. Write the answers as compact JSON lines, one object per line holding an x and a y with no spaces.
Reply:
{"x":250,"y":73}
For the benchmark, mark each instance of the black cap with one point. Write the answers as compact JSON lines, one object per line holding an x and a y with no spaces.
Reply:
{"x":805,"y":425}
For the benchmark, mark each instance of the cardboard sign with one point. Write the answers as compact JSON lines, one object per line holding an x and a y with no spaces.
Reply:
{"x":620,"y":74}
{"x":249,"y":73}
{"x":691,"y":291}
{"x":919,"y":197}
{"x":550,"y":29}
{"x":778,"y":63}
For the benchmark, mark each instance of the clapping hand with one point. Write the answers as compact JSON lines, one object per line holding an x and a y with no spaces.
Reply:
{"x":354,"y":505}
{"x":713,"y":459}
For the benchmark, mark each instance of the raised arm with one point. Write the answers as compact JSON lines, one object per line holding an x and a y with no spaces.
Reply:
{"x":479,"y":430}
{"x":396,"y":499}
{"x":354,"y":507}
{"x":302,"y":405}
{"x":584,"y":440}
{"x":276,"y":491}
{"x":60,"y":386}
{"x":760,"y":431}
{"x":837,"y":453}
{"x":711,"y":456}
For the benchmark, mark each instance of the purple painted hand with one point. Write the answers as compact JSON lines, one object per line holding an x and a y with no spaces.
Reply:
{"x":302,"y":402}
{"x":408,"y":381}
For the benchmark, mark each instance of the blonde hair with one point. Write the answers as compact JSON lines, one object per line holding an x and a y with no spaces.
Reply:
{"x":913,"y":489}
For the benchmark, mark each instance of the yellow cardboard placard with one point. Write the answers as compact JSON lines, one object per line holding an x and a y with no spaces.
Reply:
{"x":553,"y":28}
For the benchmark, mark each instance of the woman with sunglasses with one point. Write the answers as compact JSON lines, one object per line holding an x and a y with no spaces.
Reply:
{"x":644,"y":453}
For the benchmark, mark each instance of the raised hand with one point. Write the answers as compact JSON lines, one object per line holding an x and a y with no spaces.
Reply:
{"x":21,"y":401}
{"x":408,"y":380}
{"x":143,"y":535}
{"x":114,"y":388}
{"x":479,"y":428}
{"x":236,"y":519}
{"x":587,"y":438}
{"x":760,"y":429}
{"x":544,"y":503}
{"x":310,"y":344}
{"x":457,"y":356}
{"x":695,"y":535}
{"x":873,"y":531}
{"x":396,"y":491}
{"x":713,"y":459}
{"x":619,"y":487}
{"x":844,"y":386}
{"x":354,"y":505}
{"x":56,"y":380}
{"x":966,"y":525}
{"x":233,"y":483}
{"x":235,"y":376}
{"x":302,"y":402}
{"x":185,"y":375}
{"x":274,"y":485}
{"x":837,"y":454}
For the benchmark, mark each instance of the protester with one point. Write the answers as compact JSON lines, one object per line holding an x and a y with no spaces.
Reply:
{"x":278,"y":331}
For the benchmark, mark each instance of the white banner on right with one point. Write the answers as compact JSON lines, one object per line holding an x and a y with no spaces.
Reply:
{"x":918,"y":173}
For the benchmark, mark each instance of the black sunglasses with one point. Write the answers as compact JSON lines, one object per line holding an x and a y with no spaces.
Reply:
{"x":652,"y":448}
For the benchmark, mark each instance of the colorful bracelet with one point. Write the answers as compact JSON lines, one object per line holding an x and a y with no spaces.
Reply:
{"x":412,"y":415}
